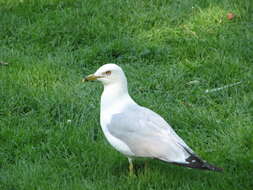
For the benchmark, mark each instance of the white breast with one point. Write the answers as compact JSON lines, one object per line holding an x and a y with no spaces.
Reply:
{"x":108,"y":109}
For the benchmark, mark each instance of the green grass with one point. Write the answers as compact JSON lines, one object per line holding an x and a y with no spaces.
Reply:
{"x":161,"y":45}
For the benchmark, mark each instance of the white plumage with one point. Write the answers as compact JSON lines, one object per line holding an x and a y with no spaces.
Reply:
{"x":136,"y":131}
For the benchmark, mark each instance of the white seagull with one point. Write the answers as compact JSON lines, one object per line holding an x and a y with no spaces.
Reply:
{"x":136,"y":131}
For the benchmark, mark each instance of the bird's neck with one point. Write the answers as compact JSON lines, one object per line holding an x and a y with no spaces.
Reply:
{"x":115,"y":96}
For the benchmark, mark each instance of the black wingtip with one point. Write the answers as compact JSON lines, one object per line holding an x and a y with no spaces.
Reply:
{"x":193,"y":161}
{"x":208,"y":166}
{"x":196,"y":163}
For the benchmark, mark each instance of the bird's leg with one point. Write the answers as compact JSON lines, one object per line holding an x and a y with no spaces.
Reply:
{"x":131,"y":166}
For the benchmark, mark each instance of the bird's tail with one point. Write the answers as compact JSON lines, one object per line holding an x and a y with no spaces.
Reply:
{"x":193,"y":161}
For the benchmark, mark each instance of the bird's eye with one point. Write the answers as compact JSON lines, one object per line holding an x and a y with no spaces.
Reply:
{"x":108,"y":73}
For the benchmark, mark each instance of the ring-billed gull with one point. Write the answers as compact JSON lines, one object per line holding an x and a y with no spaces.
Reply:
{"x":136,"y":131}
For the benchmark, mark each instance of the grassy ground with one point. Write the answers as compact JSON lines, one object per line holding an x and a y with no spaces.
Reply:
{"x":50,"y":136}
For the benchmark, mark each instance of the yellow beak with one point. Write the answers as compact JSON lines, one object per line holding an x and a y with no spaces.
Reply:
{"x":91,"y":77}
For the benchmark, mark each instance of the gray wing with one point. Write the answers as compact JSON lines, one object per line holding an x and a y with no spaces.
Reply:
{"x":148,"y":135}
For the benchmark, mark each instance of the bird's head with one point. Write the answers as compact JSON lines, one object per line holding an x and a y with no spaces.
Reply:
{"x":108,"y":74}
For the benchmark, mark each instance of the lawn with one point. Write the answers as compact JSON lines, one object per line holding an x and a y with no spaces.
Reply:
{"x":172,"y":52}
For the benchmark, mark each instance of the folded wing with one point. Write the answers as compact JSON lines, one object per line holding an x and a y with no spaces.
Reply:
{"x":147,"y":134}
